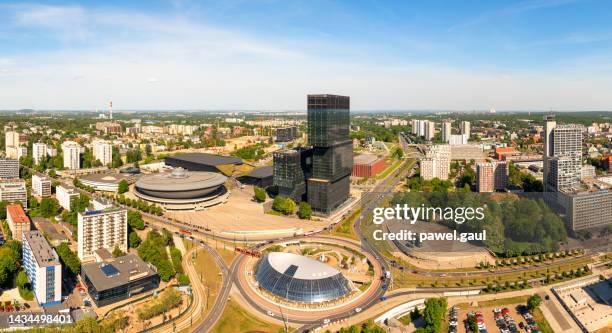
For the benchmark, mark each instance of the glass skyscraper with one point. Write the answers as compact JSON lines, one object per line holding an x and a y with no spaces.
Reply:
{"x":332,"y":151}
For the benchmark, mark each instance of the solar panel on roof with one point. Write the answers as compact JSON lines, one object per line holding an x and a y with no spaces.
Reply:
{"x":109,"y":270}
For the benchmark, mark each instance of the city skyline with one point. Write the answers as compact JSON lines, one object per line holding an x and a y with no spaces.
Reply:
{"x":516,"y":55}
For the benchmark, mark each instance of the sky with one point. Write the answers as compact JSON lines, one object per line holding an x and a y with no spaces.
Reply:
{"x":268,"y":54}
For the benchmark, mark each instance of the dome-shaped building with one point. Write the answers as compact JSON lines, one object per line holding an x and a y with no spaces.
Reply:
{"x":300,"y":279}
{"x":181,"y":189}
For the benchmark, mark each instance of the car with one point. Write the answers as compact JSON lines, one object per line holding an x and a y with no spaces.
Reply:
{"x":270,"y":313}
{"x":326,"y":321}
{"x":383,"y":298}
{"x":357,"y":310}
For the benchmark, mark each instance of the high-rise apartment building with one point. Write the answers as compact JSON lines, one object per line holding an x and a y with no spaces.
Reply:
{"x":446,"y":132}
{"x":562,"y":156}
{"x":72,"y":155}
{"x":65,"y":194}
{"x":39,"y":152}
{"x":332,"y":151}
{"x":42,"y":266}
{"x":103,"y":152}
{"x":430,"y":130}
{"x":424,"y":128}
{"x":14,"y":190}
{"x":291,"y":170}
{"x":465,"y":129}
{"x":41,"y":186}
{"x":458,"y":139}
{"x":9,"y":168}
{"x":492,"y":176}
{"x":101,"y":229}
{"x":436,"y":163}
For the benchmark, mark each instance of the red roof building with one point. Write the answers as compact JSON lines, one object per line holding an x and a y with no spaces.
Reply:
{"x":17,"y":220}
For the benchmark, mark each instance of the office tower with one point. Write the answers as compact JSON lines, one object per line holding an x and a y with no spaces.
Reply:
{"x":43,"y":268}
{"x":103,"y":152}
{"x":39,"y":152}
{"x":446,"y":131}
{"x":436,"y":163}
{"x":465,"y":128}
{"x":71,"y":151}
{"x":101,"y":229}
{"x":41,"y":186}
{"x":286,"y":134}
{"x":14,"y":190}
{"x":562,"y":156}
{"x":17,"y":220}
{"x":9,"y":168}
{"x":332,"y":151}
{"x":430,"y":130}
{"x":492,"y":176}
{"x":292,"y":168}
{"x":65,"y":195}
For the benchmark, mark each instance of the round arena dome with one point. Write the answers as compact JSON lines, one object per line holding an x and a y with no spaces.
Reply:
{"x":180,"y":184}
{"x":301,"y":279}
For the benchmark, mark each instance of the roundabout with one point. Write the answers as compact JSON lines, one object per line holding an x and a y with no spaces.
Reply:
{"x":330,"y":301}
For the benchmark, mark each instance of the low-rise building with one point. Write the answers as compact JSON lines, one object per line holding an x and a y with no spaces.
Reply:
{"x":65,"y":194}
{"x":367,"y":165}
{"x":116,"y":279}
{"x":17,"y":220}
{"x":14,"y":190}
{"x":42,"y":266}
{"x":41,"y":186}
{"x":9,"y":168}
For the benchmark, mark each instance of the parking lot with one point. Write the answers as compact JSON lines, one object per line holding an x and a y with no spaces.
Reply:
{"x":504,"y":319}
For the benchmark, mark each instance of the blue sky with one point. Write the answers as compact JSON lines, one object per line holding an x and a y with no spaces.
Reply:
{"x":267,"y":54}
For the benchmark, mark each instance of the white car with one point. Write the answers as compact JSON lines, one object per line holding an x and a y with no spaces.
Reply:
{"x":357,"y":310}
{"x":270,"y":313}
{"x":326,"y":321}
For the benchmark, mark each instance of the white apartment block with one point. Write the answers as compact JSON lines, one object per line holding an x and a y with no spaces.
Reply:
{"x":42,"y":266}
{"x":39,"y":151}
{"x":445,"y":133}
{"x":14,"y":190}
{"x":466,"y":128}
{"x":71,"y":152}
{"x":9,"y":168}
{"x":587,"y":171}
{"x":436,"y":163}
{"x":103,"y":152}
{"x":101,"y":229}
{"x":458,"y":139}
{"x":65,"y":194}
{"x":41,"y":186}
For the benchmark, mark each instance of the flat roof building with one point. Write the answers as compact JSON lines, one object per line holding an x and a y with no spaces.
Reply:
{"x":43,"y":268}
{"x":9,"y":168}
{"x":201,"y":161}
{"x":116,"y":279}
{"x":14,"y":190}
{"x":65,"y":194}
{"x":41,"y":185}
{"x":367,"y":165}
{"x":101,"y":229}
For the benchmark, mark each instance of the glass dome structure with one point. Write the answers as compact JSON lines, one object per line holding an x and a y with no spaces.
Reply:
{"x":300,"y":279}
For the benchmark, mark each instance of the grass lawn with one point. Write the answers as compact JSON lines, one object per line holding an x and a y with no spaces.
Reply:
{"x":207,"y":268}
{"x":409,"y":279}
{"x":345,"y":228}
{"x":237,"y":320}
{"x":538,"y":316}
{"x":504,"y":301}
{"x":389,"y":169}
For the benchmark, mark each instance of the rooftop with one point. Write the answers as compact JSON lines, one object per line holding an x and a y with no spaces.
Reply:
{"x":263,"y":172}
{"x":42,"y":251}
{"x":17,"y":213}
{"x":116,"y":271}
{"x":206,"y":159}
{"x":365,"y":159}
{"x":107,"y":178}
{"x":305,"y":268}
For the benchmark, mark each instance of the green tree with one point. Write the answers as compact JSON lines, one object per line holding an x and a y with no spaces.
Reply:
{"x":398,"y":153}
{"x":69,"y":259}
{"x":48,"y":207}
{"x":260,"y":194}
{"x":533,"y":302}
{"x":134,"y":240}
{"x":283,"y":205}
{"x":135,"y":220}
{"x":117,"y":252}
{"x":123,"y":186}
{"x":116,"y":161}
{"x":304,"y":210}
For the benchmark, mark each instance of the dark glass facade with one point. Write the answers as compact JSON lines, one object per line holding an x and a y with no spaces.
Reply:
{"x":332,"y":158}
{"x":328,"y":120}
{"x":283,"y":284}
{"x":107,"y":296}
{"x":285,"y":134}
{"x":292,"y":167}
